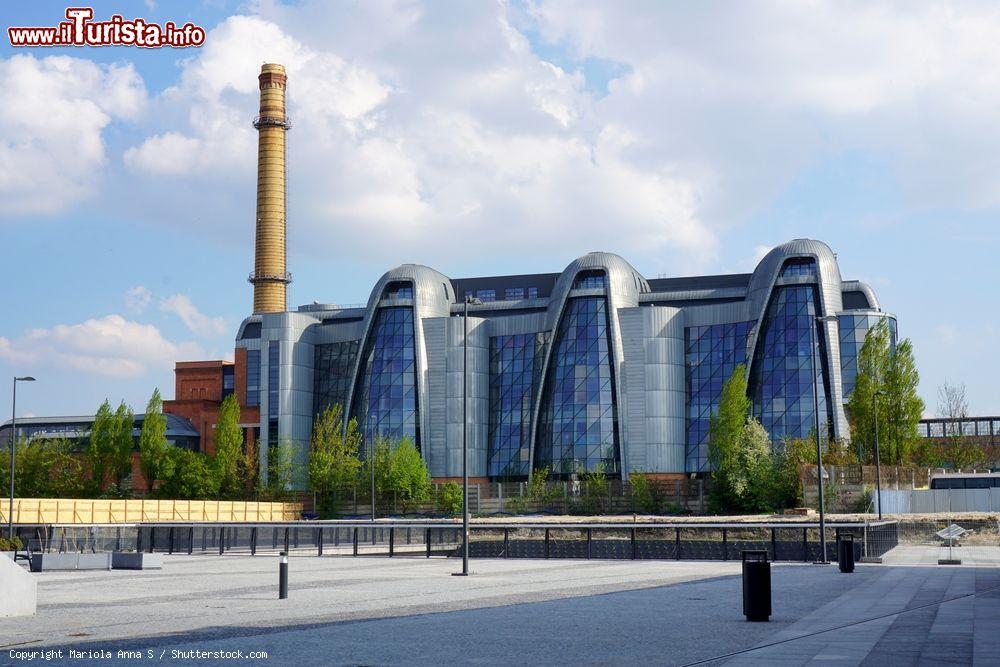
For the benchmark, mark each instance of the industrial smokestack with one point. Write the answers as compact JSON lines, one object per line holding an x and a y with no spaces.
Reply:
{"x":270,"y":278}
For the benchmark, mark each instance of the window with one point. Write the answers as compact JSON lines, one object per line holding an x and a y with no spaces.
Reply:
{"x":253,"y":377}
{"x":577,"y":427}
{"x":385,"y":402}
{"x":589,"y":280}
{"x":532,"y":292}
{"x":468,"y":293}
{"x":712,"y":353}
{"x":853,"y":332}
{"x":227,"y":380}
{"x":784,"y":371}
{"x":513,"y":293}
{"x":273,"y":366}
{"x":332,"y":369}
{"x":515,"y":371}
{"x":486,"y":294}
{"x":801,"y":266}
{"x":251,"y":330}
{"x":398,"y":290}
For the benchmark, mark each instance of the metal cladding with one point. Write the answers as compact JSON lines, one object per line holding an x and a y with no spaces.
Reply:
{"x":270,"y":277}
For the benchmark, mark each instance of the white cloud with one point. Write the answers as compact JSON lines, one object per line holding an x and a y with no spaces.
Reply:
{"x":110,"y":346}
{"x":56,"y":109}
{"x":199,"y":323}
{"x":137,"y":299}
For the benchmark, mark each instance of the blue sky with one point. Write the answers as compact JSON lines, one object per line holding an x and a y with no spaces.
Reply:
{"x":490,"y":138}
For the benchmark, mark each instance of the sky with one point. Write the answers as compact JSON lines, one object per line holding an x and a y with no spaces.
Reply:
{"x":490,"y":138}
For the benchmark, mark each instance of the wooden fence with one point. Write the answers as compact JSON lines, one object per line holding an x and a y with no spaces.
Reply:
{"x":70,"y":510}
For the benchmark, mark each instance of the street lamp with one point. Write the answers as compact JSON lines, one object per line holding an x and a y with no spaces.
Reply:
{"x":878,"y":458}
{"x":13,"y":439}
{"x":819,"y":448}
{"x":465,"y":435}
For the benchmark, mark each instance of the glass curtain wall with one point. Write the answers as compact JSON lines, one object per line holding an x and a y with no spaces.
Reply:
{"x":332,"y":374}
{"x":515,"y":372}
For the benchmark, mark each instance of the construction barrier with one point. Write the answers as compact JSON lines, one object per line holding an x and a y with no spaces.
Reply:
{"x":78,"y":510}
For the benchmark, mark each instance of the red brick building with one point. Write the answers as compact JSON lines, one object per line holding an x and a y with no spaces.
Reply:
{"x":200,"y":386}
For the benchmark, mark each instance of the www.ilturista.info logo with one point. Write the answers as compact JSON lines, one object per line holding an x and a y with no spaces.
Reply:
{"x":80,"y":30}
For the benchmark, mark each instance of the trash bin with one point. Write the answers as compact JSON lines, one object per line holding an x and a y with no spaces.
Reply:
{"x":845,"y":553}
{"x":756,"y":585}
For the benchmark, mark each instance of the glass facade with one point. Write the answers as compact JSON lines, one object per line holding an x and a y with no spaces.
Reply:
{"x":385,"y":401}
{"x":273,"y":383}
{"x":228,"y":380}
{"x":577,"y":427}
{"x":515,"y":371}
{"x":711,"y":355}
{"x":513,"y":293}
{"x":783,"y":374}
{"x":805,"y":266}
{"x":532,"y":292}
{"x":398,"y":290}
{"x":589,"y":280}
{"x":486,"y":294}
{"x":854,"y":329}
{"x":332,"y":374}
{"x":253,"y":378}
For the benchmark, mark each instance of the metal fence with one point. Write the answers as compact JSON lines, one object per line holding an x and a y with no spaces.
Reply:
{"x":784,"y":541}
{"x":940,"y":500}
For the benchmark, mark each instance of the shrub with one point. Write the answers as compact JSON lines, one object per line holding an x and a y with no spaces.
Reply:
{"x":12,"y":544}
{"x":642,"y":493}
{"x":450,"y":498}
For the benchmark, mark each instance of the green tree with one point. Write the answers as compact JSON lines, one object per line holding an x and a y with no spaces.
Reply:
{"x":46,"y":468}
{"x":122,"y":445}
{"x":279,"y":472}
{"x":334,"y":462}
{"x":229,"y":448}
{"x":886,"y":389}
{"x":99,"y":450}
{"x":153,"y":445}
{"x":190,"y":476}
{"x":409,"y":477}
{"x":643,"y":498}
{"x":450,"y":498}
{"x":725,"y":430}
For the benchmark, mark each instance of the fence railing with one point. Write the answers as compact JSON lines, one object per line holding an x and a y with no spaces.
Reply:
{"x":784,"y":541}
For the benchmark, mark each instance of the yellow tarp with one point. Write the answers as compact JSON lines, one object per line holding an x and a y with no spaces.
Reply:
{"x":70,"y":510}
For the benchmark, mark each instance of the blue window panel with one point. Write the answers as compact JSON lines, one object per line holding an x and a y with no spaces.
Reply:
{"x":486,"y":294}
{"x":385,"y":403}
{"x":784,"y":373}
{"x":513,"y":293}
{"x":853,"y":331}
{"x":804,"y":266}
{"x":577,"y":427}
{"x":398,"y":290}
{"x":532,"y":292}
{"x":332,"y":369}
{"x":712,"y":354}
{"x":589,"y":280}
{"x":253,"y":377}
{"x":273,"y":382}
{"x":515,"y":373}
{"x":228,"y":380}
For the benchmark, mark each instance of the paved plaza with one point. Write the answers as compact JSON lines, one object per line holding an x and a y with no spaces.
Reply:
{"x":412,"y":611}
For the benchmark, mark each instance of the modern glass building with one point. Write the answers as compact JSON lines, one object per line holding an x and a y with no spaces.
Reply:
{"x":593,"y":366}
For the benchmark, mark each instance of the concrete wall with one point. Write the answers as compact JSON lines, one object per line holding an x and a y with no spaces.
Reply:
{"x":19,"y":587}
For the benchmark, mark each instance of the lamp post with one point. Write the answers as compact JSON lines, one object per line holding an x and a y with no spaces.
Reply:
{"x":878,"y":458}
{"x":465,"y":435}
{"x":819,"y":448}
{"x":13,"y":440}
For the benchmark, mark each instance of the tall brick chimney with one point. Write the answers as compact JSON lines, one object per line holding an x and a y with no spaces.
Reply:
{"x":270,"y":277}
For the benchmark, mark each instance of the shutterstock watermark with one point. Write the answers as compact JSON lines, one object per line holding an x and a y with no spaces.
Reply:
{"x":81,"y":30}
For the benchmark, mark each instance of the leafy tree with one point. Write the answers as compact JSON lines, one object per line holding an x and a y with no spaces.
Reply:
{"x":190,"y":476}
{"x":46,"y":468}
{"x":249,"y":469}
{"x":102,"y":439}
{"x":229,"y":447}
{"x":643,"y":498}
{"x":886,"y":389}
{"x":450,"y":498}
{"x":725,"y":430}
{"x":334,"y":463}
{"x":408,"y":475}
{"x":153,"y":444}
{"x":120,"y":453}
{"x":279,"y":472}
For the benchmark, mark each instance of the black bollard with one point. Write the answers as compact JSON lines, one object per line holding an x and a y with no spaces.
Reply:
{"x":283,"y":577}
{"x":845,"y":553}
{"x":756,"y":586}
